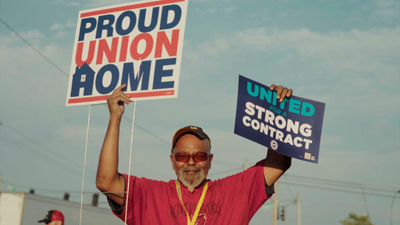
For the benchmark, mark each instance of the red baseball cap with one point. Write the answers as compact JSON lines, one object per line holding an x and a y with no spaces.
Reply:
{"x":191,"y":130}
{"x":52,"y":215}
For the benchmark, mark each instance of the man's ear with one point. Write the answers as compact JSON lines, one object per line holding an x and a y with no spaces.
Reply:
{"x":211,"y":158}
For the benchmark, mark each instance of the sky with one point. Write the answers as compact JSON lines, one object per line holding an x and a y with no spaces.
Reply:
{"x":345,"y":54}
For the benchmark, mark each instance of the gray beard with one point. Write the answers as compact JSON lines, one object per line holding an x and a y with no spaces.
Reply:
{"x":192,"y":183}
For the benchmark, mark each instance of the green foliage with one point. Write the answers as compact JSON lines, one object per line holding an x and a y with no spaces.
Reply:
{"x":354,"y":219}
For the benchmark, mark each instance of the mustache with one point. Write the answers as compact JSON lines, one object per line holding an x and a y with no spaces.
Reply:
{"x":191,"y":169}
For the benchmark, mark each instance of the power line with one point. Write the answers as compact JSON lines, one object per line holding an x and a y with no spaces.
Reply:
{"x":345,"y":184}
{"x":334,"y":189}
{"x":147,"y":131}
{"x":35,"y":49}
{"x":342,"y":183}
{"x":53,"y":160}
{"x":391,"y":208}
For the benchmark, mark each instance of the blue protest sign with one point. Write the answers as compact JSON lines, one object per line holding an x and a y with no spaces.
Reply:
{"x":292,"y":127}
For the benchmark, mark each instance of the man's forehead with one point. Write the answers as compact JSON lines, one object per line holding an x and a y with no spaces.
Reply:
{"x":191,"y":149}
{"x":194,"y":151}
{"x":190,"y":139}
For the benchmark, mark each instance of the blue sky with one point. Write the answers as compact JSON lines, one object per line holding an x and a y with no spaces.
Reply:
{"x":343,"y":53}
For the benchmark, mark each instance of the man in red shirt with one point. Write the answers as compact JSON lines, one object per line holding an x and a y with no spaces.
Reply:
{"x":191,"y":198}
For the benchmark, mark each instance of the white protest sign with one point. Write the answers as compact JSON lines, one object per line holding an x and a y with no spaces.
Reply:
{"x":138,"y":44}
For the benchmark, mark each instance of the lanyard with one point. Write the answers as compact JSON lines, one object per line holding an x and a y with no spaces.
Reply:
{"x":196,"y":213}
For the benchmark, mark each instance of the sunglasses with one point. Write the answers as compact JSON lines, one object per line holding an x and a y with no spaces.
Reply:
{"x":197,"y":157}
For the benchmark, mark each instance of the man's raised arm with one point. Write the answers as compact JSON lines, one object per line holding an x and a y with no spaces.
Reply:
{"x":276,"y":164}
{"x":108,"y":179}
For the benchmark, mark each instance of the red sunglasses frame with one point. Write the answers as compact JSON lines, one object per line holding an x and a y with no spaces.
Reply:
{"x":194,"y":156}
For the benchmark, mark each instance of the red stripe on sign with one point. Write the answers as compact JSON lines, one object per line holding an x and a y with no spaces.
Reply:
{"x":129,"y":7}
{"x":132,"y":95}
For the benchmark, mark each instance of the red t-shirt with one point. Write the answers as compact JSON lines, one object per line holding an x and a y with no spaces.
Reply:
{"x":232,"y":200}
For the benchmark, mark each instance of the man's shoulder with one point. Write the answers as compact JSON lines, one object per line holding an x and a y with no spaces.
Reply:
{"x":249,"y":172}
{"x":145,"y":180}
{"x":156,"y":183}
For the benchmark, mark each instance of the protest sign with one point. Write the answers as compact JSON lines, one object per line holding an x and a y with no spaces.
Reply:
{"x":292,"y":127}
{"x":138,"y":44}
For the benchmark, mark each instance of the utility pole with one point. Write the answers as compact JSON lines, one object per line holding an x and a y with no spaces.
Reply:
{"x":298,"y":209}
{"x":275,"y":205}
{"x":1,"y":177}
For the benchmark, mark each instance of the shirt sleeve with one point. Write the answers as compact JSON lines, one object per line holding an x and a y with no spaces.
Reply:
{"x":135,"y":189}
{"x":254,"y":184}
{"x":115,"y":207}
{"x":269,"y":190}
{"x":251,"y":186}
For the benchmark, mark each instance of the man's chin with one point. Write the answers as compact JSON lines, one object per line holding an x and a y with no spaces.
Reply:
{"x":191,"y":177}
{"x":191,"y":182}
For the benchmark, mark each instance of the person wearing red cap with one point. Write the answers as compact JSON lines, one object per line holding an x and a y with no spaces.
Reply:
{"x":192,"y":198}
{"x":53,"y":217}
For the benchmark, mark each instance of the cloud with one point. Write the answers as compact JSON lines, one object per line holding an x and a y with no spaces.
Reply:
{"x":356,"y":50}
{"x":74,"y":4}
{"x":230,"y":9}
{"x":11,"y":47}
{"x":331,"y":140}
{"x":101,"y":3}
{"x":206,"y":50}
{"x":34,"y":37}
{"x":56,"y":26}
{"x":70,"y":23}
{"x":387,"y":10}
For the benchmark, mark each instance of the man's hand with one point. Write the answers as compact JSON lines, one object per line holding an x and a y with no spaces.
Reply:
{"x":281,"y":92}
{"x":116,"y":102}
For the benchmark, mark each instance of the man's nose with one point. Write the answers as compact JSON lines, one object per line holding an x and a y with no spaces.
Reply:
{"x":191,"y":160}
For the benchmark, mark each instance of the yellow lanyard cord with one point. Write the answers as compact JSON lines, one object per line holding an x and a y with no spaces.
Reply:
{"x":196,"y":213}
